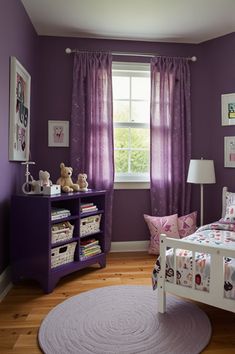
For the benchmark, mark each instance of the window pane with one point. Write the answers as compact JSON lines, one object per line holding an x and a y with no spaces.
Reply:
{"x":140,"y":88}
{"x":121,"y":161}
{"x":131,"y":115}
{"x":139,"y":161}
{"x":140,"y":111}
{"x":140,"y":138}
{"x":121,"y":87}
{"x":121,"y":111}
{"x":121,"y":138}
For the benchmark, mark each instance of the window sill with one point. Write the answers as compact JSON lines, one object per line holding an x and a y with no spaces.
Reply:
{"x":131,"y":185}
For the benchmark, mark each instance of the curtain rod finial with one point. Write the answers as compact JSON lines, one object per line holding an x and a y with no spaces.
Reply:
{"x":68,"y":51}
{"x":194,"y":58}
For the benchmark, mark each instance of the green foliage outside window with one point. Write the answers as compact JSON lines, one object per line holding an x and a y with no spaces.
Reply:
{"x":133,"y":146}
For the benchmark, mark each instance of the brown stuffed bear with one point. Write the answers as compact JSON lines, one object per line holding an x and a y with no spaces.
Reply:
{"x":65,"y":181}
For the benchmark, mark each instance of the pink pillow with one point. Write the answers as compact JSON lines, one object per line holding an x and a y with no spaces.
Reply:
{"x":161,"y":224}
{"x":187,"y":224}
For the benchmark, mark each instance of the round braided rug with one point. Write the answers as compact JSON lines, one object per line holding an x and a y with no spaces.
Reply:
{"x":124,"y":320}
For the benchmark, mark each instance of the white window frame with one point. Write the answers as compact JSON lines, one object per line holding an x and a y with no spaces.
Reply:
{"x":132,"y":181}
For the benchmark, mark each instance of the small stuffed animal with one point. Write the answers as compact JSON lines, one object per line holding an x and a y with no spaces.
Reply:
{"x":82,"y":182}
{"x":44,"y":178}
{"x":65,"y":180}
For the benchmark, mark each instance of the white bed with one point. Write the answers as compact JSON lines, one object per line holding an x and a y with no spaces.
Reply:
{"x":215,"y":294}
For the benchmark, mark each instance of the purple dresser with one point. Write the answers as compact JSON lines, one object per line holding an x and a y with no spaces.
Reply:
{"x":52,"y":236}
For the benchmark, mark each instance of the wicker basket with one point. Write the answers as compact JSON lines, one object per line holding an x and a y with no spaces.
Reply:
{"x":63,"y":254}
{"x":90,"y":225}
{"x":61,"y":232}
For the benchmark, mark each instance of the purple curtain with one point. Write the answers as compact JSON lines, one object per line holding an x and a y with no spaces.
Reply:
{"x":170,"y":135}
{"x":92,"y":125}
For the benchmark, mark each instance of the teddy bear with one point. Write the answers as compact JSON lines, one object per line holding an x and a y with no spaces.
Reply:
{"x":65,"y":180}
{"x":43,"y":181}
{"x":82,"y":182}
{"x":44,"y":178}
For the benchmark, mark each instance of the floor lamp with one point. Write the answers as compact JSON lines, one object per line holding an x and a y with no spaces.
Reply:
{"x":201,"y":172}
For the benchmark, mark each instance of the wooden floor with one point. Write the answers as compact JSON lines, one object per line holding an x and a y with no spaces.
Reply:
{"x":25,"y":306}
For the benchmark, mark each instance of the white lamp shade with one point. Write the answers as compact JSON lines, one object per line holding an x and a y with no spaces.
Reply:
{"x":201,"y":172}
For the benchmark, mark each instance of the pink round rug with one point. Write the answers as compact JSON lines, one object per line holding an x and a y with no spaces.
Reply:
{"x":124,"y":320}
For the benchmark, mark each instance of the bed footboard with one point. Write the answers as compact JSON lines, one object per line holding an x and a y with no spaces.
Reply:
{"x":215,"y":295}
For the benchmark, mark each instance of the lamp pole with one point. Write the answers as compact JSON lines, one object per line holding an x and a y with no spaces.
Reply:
{"x":201,"y":208}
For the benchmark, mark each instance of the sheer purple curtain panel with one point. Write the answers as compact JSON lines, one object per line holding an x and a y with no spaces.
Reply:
{"x":92,"y":125}
{"x":170,"y":135}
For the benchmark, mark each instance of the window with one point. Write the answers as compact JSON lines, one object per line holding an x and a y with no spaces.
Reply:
{"x":131,"y":115}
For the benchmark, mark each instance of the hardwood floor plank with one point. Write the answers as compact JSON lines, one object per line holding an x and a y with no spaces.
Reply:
{"x":26,"y":341}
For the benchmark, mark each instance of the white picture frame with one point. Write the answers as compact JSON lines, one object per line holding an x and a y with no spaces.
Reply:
{"x":58,"y":133}
{"x":228,"y":109}
{"x":229,"y":151}
{"x":19,"y":117}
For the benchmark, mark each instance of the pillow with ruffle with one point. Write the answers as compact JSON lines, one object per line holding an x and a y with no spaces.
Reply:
{"x":187,"y":224}
{"x":229,"y":198}
{"x":229,"y":215}
{"x":157,"y":225}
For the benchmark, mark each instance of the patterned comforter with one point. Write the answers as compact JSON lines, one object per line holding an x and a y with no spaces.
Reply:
{"x":222,"y":235}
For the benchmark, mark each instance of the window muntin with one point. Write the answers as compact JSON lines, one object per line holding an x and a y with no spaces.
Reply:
{"x":131,"y":113}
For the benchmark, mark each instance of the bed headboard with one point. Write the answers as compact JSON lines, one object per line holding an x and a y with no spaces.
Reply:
{"x":225,"y":189}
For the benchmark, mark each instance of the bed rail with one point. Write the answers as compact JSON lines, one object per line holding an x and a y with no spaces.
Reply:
{"x":215,"y":296}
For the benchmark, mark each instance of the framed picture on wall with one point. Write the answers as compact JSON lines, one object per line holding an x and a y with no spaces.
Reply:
{"x":19,"y":121}
{"x":58,"y":133}
{"x":229,"y":151}
{"x":228,"y":109}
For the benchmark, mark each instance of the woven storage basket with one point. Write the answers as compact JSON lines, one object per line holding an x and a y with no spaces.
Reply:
{"x":90,"y":225}
{"x":61,"y":232}
{"x":63,"y":254}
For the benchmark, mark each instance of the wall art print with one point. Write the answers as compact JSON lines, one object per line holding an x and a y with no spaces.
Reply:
{"x":229,"y":151}
{"x":58,"y":133}
{"x":19,"y":122}
{"x":228,"y":109}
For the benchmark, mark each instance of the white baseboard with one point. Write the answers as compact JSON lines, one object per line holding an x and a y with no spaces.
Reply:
{"x":129,"y":246}
{"x":5,"y":283}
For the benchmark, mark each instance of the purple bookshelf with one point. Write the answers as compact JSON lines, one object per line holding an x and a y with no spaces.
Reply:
{"x":34,"y":255}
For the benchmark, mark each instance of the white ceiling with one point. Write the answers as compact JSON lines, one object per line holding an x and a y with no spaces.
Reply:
{"x":182,"y":21}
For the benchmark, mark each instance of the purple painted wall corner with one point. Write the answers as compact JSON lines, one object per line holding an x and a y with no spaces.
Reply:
{"x":17,"y":38}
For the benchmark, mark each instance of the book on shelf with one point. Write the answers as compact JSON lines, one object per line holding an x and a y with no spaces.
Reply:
{"x":59,"y":213}
{"x":88,"y":210}
{"x":88,"y":241}
{"x":92,"y":242}
{"x":90,"y":250}
{"x":84,"y":256}
{"x":58,"y":217}
{"x":89,"y":247}
{"x":56,"y":211}
{"x":88,"y":207}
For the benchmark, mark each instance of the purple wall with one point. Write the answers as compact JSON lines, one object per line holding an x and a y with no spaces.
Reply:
{"x":128,"y":209}
{"x":216,"y":76}
{"x":17,"y":38}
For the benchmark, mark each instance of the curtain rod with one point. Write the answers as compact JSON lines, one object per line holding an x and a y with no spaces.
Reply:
{"x":150,"y":55}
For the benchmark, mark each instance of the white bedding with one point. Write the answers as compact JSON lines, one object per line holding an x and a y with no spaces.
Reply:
{"x":216,"y":234}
